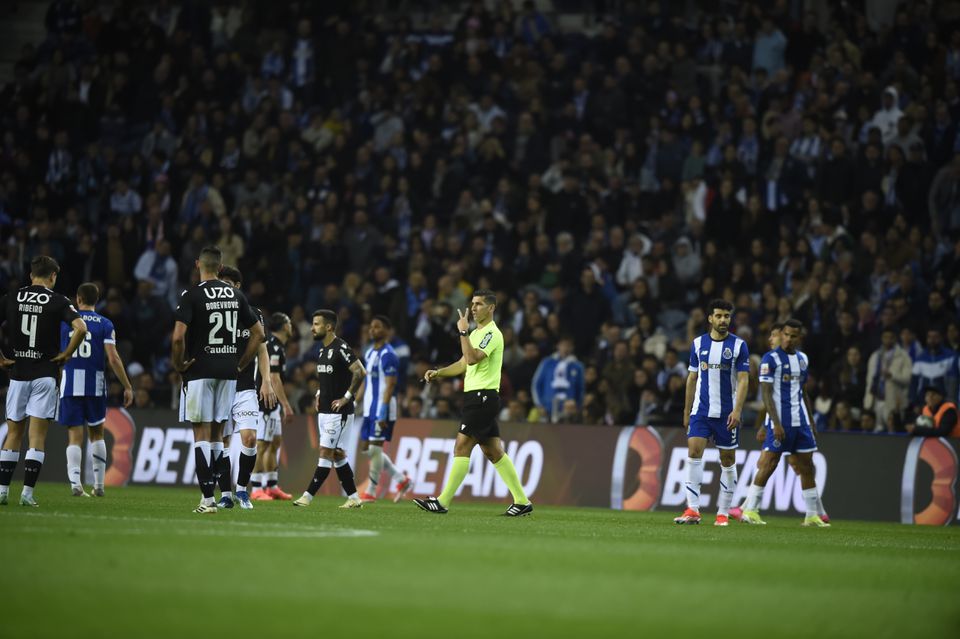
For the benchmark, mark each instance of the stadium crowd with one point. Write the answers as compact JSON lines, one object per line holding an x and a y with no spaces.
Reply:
{"x":606,"y":183}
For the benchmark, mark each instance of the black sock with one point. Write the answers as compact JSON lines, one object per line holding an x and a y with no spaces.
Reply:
{"x":318,"y":478}
{"x":271,"y":483}
{"x":204,"y":476}
{"x":345,"y":474}
{"x":31,"y":471}
{"x":7,"y":467}
{"x":224,"y":475}
{"x":245,"y":468}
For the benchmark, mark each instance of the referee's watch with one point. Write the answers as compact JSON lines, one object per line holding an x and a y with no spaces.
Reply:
{"x":465,"y":333}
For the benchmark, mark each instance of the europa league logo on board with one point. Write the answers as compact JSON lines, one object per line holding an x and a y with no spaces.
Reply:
{"x":120,"y":424}
{"x":941,"y":458}
{"x":646,"y":444}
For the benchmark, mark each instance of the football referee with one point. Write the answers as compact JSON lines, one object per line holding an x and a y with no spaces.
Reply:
{"x":480,"y":365}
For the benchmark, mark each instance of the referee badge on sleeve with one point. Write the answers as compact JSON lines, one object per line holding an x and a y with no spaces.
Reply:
{"x":486,"y":339}
{"x":764,"y":369}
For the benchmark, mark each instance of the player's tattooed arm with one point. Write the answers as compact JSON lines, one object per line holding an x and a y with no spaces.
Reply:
{"x":766,"y":391}
{"x":79,"y":334}
{"x":359,"y":372}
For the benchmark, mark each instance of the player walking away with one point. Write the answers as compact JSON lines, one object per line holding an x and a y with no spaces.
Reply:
{"x":480,"y":365}
{"x":378,"y":397}
{"x":32,"y":317}
{"x":783,"y":373}
{"x":245,"y":413}
{"x":83,"y":389}
{"x":716,"y":390}
{"x":736,"y":512}
{"x":270,"y":435}
{"x":207,"y":356}
{"x":340,"y":374}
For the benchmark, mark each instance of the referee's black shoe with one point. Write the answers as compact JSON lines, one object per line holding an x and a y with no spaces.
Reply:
{"x":518,"y":510}
{"x":431,"y":505}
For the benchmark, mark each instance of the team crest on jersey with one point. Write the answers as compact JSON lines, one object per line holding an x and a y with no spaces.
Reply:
{"x":776,"y":444}
{"x":803,"y":365}
{"x":704,"y":365}
{"x":727,"y":353}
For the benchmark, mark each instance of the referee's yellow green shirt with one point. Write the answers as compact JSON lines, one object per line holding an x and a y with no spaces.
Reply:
{"x":485,"y":375}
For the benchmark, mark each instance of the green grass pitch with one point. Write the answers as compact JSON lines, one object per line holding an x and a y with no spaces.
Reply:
{"x":139,"y":564}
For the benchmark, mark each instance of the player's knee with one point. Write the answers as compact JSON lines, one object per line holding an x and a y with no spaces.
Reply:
{"x":728,"y":457}
{"x":95,"y":433}
{"x":249,"y":439}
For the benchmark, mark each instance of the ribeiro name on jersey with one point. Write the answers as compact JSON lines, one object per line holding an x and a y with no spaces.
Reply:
{"x":215,"y":314}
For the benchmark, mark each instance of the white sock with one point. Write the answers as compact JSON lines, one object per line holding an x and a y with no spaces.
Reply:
{"x":754,"y":495}
{"x":216,"y":451}
{"x":205,"y":449}
{"x":307,"y":496}
{"x":392,"y":470}
{"x":728,"y":483}
{"x":256,"y":480}
{"x":270,"y":477}
{"x":99,"y":451}
{"x":376,"y":468}
{"x":810,"y":499}
{"x":27,"y":491}
{"x":820,"y":509}
{"x":74,"y":453}
{"x":694,"y":479}
{"x":209,"y":501}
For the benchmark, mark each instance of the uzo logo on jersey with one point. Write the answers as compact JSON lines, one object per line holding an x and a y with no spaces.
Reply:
{"x":219,"y":292}
{"x":727,"y":353}
{"x":33,"y":297}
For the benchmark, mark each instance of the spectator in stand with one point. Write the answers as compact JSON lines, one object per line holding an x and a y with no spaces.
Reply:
{"x":157,"y":266}
{"x":939,"y":417}
{"x":558,"y":378}
{"x":936,"y":364}
{"x":888,"y":380}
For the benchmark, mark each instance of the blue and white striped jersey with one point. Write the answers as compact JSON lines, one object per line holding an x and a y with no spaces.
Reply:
{"x":83,"y":374}
{"x":787,"y":372}
{"x":380,"y":363}
{"x":717,"y":364}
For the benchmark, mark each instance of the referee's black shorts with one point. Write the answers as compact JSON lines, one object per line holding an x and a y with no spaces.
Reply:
{"x":479,"y":415}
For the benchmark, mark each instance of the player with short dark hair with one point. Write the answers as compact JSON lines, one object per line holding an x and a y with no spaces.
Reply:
{"x":736,"y":513}
{"x":783,"y":373}
{"x":205,"y":352}
{"x":270,"y":435}
{"x":378,"y":400}
{"x":481,"y":367}
{"x":252,"y":388}
{"x":83,"y":389}
{"x":719,"y":372}
{"x":340,"y":374}
{"x":32,"y":317}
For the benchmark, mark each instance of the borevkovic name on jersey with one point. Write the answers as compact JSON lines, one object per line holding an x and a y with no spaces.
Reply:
{"x":220,"y":350}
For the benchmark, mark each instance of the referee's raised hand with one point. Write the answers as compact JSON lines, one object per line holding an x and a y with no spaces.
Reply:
{"x":463,"y":323}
